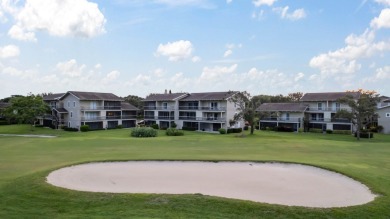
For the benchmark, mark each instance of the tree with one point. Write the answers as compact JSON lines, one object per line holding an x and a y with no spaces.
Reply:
{"x":362,"y":109}
{"x":295,"y":97}
{"x":271,"y":99}
{"x":25,"y":109}
{"x":137,"y":102}
{"x":247,"y":106}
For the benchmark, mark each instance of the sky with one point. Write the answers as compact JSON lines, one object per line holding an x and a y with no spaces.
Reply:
{"x":138,"y":47}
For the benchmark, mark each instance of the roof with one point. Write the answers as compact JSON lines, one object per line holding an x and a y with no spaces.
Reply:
{"x":331,"y":96}
{"x":287,"y":107}
{"x":209,"y":96}
{"x":128,"y":106}
{"x":165,"y":97}
{"x":53,"y":96}
{"x":61,"y":110}
{"x":93,"y":96}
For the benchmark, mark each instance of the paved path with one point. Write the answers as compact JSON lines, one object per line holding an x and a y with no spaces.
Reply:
{"x":29,"y":136}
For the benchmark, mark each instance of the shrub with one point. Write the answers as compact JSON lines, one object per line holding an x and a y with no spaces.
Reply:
{"x":365,"y":134}
{"x":173,"y":125}
{"x":257,"y":127}
{"x":84,"y":128}
{"x":154,"y":126}
{"x":71,"y":129}
{"x":379,"y":128}
{"x":174,"y":132}
{"x":234,"y":130}
{"x":300,"y":130}
{"x":189,"y":128}
{"x":222,"y":131}
{"x":246,"y":128}
{"x":143,"y":132}
{"x":313,"y":130}
{"x":328,"y":131}
{"x":3,"y":123}
{"x":268,"y":128}
{"x":119,"y":126}
{"x":38,"y":126}
{"x":343,"y":132}
{"x":283,"y":129}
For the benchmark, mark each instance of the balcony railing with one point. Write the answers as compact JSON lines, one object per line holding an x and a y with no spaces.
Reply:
{"x":336,"y":120}
{"x":211,"y":119}
{"x":329,"y":109}
{"x":159,"y":117}
{"x":203,"y":108}
{"x":159,"y":108}
{"x":101,"y":108}
{"x":99,"y":118}
{"x":281,"y":119}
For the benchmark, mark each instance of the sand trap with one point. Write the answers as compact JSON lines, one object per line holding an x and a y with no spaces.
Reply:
{"x":276,"y":183}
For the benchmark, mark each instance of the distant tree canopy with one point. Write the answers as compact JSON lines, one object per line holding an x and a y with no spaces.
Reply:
{"x":137,"y":102}
{"x":25,"y":109}
{"x":291,"y":97}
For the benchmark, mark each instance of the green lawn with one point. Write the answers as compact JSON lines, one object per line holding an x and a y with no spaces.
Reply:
{"x":25,"y":162}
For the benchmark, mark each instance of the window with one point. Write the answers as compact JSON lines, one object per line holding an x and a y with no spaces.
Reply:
{"x":387,"y":114}
{"x":71,"y":114}
{"x":319,"y":106}
{"x":74,"y":103}
{"x":287,"y":116}
{"x":314,"y":117}
{"x":165,"y":105}
{"x":337,"y":106}
{"x":69,"y":124}
{"x":68,"y":103}
{"x":214,"y":105}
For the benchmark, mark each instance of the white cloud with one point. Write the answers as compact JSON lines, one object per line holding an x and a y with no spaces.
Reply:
{"x":176,"y":3}
{"x":216,"y":73}
{"x":259,"y":3}
{"x":112,"y":76}
{"x":176,"y":51}
{"x":9,"y":51}
{"x":381,"y":74}
{"x":295,"y":15}
{"x":22,"y":74}
{"x":229,"y":1}
{"x":227,"y":53}
{"x":344,"y":60}
{"x":383,"y":21}
{"x":196,"y":59}
{"x":159,"y":72}
{"x":59,"y":18}
{"x":383,"y":2}
{"x":71,"y":68}
{"x":299,"y":76}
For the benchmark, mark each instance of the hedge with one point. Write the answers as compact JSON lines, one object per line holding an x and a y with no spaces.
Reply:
{"x":222,"y":131}
{"x":343,"y":132}
{"x":365,"y":134}
{"x":71,"y":129}
{"x":189,"y":128}
{"x":315,"y":130}
{"x":84,"y":128}
{"x":174,"y":132}
{"x":143,"y":132}
{"x":234,"y":130}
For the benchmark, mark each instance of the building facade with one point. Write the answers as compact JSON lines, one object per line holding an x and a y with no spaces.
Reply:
{"x":207,"y":111}
{"x":383,"y":111}
{"x":97,"y":110}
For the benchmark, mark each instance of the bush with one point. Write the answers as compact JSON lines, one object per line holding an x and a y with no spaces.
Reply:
{"x":343,"y":132}
{"x":300,"y":130}
{"x":71,"y":129}
{"x":268,"y":128}
{"x":313,"y":130}
{"x":365,"y":134}
{"x":84,"y":128}
{"x":234,"y":130}
{"x":143,"y":132}
{"x":38,"y":126}
{"x":328,"y":131}
{"x":189,"y":128}
{"x":257,"y":127}
{"x":155,"y":126}
{"x":174,"y":132}
{"x":4,"y":123}
{"x":283,"y":129}
{"x":379,"y":128}
{"x":119,"y":126}
{"x":246,"y":128}
{"x":222,"y":131}
{"x":173,"y":125}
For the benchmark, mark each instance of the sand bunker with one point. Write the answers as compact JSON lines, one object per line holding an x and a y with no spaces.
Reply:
{"x":276,"y":183}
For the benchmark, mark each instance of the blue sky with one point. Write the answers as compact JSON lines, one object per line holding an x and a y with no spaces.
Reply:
{"x":146,"y":46}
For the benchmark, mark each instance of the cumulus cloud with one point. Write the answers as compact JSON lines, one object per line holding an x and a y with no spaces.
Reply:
{"x":295,"y":15}
{"x":71,"y":68}
{"x":227,"y":53}
{"x":9,"y":51}
{"x":176,"y":51}
{"x":383,"y":2}
{"x":381,"y":74}
{"x":112,"y":76}
{"x":299,"y":76}
{"x":59,"y":18}
{"x":259,"y":3}
{"x":344,"y":60}
{"x":216,"y":73}
{"x":196,"y":59}
{"x":383,"y":20}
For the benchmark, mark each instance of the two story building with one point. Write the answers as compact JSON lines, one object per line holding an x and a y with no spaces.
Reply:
{"x":207,"y":111}
{"x":383,"y":111}
{"x":314,"y":110}
{"x":98,"y":110}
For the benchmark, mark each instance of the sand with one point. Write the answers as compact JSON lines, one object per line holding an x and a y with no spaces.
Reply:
{"x":275,"y":183}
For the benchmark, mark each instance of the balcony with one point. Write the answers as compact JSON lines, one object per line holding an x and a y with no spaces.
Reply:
{"x":274,"y":119}
{"x":209,"y":119}
{"x":97,"y":108}
{"x":159,"y":108}
{"x":334,"y":120}
{"x":327,"y":109}
{"x":100,"y":118}
{"x":202,"y":108}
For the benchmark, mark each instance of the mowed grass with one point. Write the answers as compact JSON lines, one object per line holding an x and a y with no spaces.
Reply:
{"x":25,"y":163}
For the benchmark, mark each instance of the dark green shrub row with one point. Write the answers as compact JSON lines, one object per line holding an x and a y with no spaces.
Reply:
{"x":315,"y":130}
{"x":154,"y":126}
{"x":283,"y":129}
{"x":71,"y":129}
{"x":38,"y":126}
{"x":343,"y":132}
{"x":4,"y":122}
{"x":328,"y":131}
{"x":222,"y":131}
{"x":365,"y":134}
{"x":174,"y":132}
{"x":84,"y":128}
{"x":234,"y":130}
{"x":119,"y":126}
{"x":189,"y":128}
{"x":246,"y":128}
{"x":143,"y":132}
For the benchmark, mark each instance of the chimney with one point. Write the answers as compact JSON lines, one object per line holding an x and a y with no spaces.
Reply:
{"x":170,"y":92}
{"x":165,"y":91}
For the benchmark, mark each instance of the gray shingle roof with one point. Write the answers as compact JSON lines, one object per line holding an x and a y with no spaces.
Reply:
{"x":53,"y":96}
{"x":165,"y":97}
{"x":94,"y":96}
{"x":333,"y":96}
{"x":128,"y":106}
{"x":287,"y":107}
{"x":209,"y":96}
